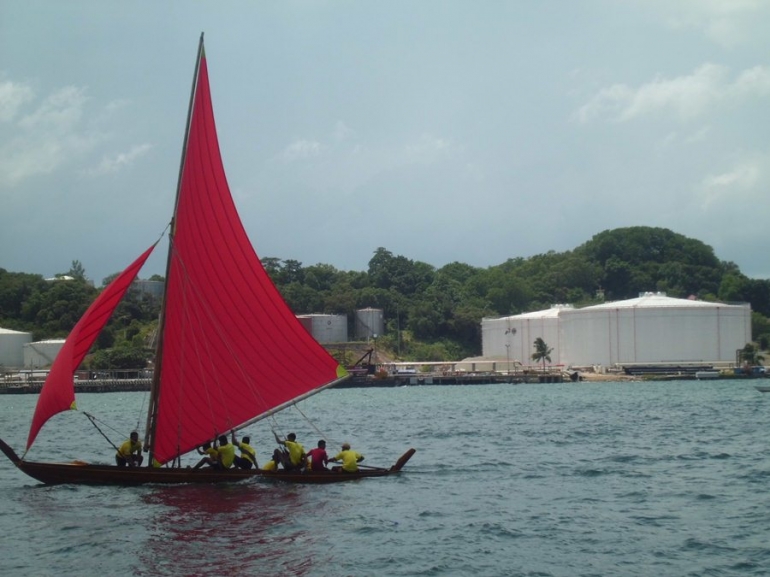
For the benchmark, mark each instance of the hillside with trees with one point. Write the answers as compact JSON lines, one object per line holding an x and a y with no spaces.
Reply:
{"x":431,"y":314}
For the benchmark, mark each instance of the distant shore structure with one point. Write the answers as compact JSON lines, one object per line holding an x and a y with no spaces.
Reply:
{"x":12,"y":347}
{"x":326,"y":328}
{"x":369,"y":323}
{"x":40,"y":354}
{"x":652,"y":328}
{"x":152,"y":288}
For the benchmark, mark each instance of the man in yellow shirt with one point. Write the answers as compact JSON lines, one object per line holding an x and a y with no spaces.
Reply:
{"x":272,"y":464}
{"x":248,"y":458}
{"x":221,"y":456}
{"x":130,"y":452}
{"x":209,"y":455}
{"x":225,"y":453}
{"x":349,"y":458}
{"x":296,"y":459}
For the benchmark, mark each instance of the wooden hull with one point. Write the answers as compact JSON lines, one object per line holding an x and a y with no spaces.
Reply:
{"x":84,"y":474}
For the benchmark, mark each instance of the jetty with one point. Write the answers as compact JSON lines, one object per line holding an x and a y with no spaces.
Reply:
{"x":32,"y":384}
{"x":92,"y":386}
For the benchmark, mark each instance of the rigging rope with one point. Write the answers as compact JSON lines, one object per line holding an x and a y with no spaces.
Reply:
{"x":141,"y":411}
{"x":93,"y":422}
{"x":311,"y":423}
{"x":274,"y":428}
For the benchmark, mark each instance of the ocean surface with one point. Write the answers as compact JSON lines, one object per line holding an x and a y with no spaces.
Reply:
{"x":666,"y":478}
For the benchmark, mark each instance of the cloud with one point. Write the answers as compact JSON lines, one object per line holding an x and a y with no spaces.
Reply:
{"x":686,"y":97}
{"x":301,"y":150}
{"x":699,"y":135}
{"x":306,"y":148}
{"x":751,"y":82}
{"x":116,"y":162}
{"x":46,"y":138}
{"x":742,"y":179}
{"x":59,"y":112}
{"x":724,"y":22}
{"x":12,"y":97}
{"x":342,"y":132}
{"x":427,"y":149}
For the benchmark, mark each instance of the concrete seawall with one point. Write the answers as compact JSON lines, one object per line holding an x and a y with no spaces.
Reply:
{"x":93,"y":386}
{"x":130,"y":385}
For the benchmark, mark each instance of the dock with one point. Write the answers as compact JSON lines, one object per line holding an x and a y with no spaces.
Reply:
{"x":355,"y":381}
{"x":370,"y":381}
{"x":92,"y":386}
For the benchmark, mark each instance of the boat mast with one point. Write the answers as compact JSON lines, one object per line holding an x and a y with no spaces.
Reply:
{"x":152,"y":410}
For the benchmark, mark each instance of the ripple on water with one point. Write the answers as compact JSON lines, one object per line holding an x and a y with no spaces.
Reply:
{"x":581,"y":479}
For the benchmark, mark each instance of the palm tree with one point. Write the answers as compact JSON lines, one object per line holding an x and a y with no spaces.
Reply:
{"x":542,"y":352}
{"x":751,"y":356}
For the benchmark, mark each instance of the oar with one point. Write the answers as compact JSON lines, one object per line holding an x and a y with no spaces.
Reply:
{"x":360,"y":466}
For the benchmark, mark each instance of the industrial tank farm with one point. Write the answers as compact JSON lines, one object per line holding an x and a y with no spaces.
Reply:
{"x":652,"y":328}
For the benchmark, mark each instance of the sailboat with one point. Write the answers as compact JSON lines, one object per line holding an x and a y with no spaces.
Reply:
{"x":229,"y":353}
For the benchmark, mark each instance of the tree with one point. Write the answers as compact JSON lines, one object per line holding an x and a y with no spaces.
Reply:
{"x":750,"y":355}
{"x":119,"y":358}
{"x":77,"y":271}
{"x":58,"y":307}
{"x":399,"y":273}
{"x":292,"y":272}
{"x":272,"y":266}
{"x":427,"y":306}
{"x":15,"y":290}
{"x":542,"y":352}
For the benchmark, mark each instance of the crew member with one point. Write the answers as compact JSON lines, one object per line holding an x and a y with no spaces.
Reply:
{"x":349,"y":458}
{"x":248,"y":456}
{"x":130,"y":452}
{"x":296,"y":457}
{"x":318,"y":457}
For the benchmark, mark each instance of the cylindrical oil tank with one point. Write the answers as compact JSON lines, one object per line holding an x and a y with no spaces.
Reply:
{"x":513,"y":338}
{"x":655,"y":328}
{"x":41,"y":353}
{"x":12,"y":348}
{"x":307,"y":322}
{"x":369,"y":323}
{"x":327,"y":328}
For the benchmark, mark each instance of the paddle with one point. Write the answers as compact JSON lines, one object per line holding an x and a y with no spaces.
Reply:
{"x":360,"y":466}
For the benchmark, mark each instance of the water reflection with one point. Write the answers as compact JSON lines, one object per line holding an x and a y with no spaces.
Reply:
{"x":234,"y":529}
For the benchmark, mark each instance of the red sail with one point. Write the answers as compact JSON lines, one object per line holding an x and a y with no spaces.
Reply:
{"x":58,"y":393}
{"x":232,"y":349}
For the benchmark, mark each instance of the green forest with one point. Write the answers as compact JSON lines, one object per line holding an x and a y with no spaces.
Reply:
{"x":431,"y":314}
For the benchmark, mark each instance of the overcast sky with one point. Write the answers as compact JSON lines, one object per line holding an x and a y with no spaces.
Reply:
{"x":443,"y":131}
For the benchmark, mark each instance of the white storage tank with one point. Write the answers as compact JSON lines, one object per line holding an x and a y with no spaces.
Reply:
{"x":41,"y":353}
{"x":512,"y":338}
{"x":654,"y":328}
{"x":153,"y":288}
{"x":307,"y":322}
{"x":369,"y":322}
{"x":327,"y":328}
{"x":12,"y":348}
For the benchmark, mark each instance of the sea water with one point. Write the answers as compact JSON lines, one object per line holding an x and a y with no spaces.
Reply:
{"x":642,"y":478}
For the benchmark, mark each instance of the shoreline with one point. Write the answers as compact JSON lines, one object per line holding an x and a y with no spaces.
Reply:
{"x":143,"y":385}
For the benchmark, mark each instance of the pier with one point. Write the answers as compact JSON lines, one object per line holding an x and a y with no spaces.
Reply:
{"x":114,"y":385}
{"x":420,"y":379}
{"x":92,"y":386}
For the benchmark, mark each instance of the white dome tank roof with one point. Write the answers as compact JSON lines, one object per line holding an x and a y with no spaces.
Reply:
{"x":10,"y":332}
{"x":655,"y":300}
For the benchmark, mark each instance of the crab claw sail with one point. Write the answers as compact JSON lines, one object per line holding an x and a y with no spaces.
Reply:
{"x":230,"y":351}
{"x":58,"y":392}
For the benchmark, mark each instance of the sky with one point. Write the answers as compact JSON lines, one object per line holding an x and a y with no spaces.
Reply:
{"x":442,"y":131}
